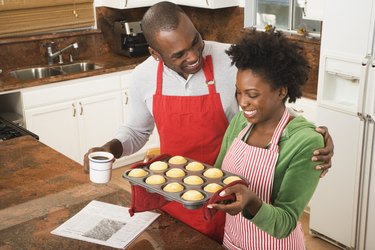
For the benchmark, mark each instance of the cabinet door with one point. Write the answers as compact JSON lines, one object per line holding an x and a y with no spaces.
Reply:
{"x":314,"y":10}
{"x":99,"y":118}
{"x":57,"y":127}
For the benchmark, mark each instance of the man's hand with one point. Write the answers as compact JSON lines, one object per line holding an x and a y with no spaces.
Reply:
{"x":324,"y":154}
{"x":86,"y":161}
{"x":114,"y":146}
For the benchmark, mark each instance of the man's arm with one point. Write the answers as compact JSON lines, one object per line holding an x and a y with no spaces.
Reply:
{"x":324,"y":154}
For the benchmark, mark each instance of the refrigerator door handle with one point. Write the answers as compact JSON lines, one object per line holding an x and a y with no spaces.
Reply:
{"x":361,"y":116}
{"x":370,"y":119}
{"x":362,"y":84}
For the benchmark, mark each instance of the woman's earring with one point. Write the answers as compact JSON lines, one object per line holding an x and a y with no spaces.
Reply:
{"x":157,"y":59}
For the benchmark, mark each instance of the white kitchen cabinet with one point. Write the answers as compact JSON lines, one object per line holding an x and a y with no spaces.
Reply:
{"x":313,"y":9}
{"x":73,"y":116}
{"x":125,"y":4}
{"x":56,"y":127}
{"x":209,"y":4}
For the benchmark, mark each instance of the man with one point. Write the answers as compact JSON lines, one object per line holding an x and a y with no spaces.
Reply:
{"x":187,"y":88}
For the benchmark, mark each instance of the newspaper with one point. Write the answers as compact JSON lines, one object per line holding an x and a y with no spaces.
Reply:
{"x":106,"y":224}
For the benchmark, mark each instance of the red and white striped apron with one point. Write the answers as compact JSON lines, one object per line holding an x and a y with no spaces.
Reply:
{"x":257,"y":165}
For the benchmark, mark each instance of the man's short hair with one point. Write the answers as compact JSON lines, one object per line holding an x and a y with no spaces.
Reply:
{"x":163,"y":16}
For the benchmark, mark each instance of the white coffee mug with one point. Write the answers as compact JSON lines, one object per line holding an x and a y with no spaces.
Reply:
{"x":100,"y":167}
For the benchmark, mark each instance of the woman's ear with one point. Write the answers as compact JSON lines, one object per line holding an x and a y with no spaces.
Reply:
{"x":283,"y":92}
{"x":154,"y":54}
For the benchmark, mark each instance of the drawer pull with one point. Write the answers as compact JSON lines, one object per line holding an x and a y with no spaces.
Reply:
{"x":126,"y":98}
{"x":81,"y":108}
{"x":74,"y":110}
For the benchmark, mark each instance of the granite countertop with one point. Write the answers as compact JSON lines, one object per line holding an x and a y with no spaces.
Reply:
{"x":41,"y":189}
{"x":111,"y":63}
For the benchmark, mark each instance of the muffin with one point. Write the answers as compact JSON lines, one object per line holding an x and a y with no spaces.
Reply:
{"x":193,"y":180}
{"x":158,"y":166}
{"x":175,"y":173}
{"x":212,"y":187}
{"x":195,"y":166}
{"x":192,"y":195}
{"x":155,"y":179}
{"x":230,"y":179}
{"x":137,"y":173}
{"x":173,"y":187}
{"x":213,"y":173}
{"x":177,"y":160}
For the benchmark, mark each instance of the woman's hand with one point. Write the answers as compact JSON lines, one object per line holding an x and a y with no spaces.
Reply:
{"x":245,"y":199}
{"x":324,"y":154}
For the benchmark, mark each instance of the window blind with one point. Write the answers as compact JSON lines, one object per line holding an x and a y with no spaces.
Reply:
{"x":22,"y":17}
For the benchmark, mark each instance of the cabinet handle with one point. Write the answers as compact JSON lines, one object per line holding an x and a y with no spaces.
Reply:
{"x":126,"y":98}
{"x":80,"y":108}
{"x":126,"y":3}
{"x":208,"y":4}
{"x":74,"y":110}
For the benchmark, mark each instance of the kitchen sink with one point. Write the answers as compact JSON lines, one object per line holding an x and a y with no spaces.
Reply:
{"x":79,"y":67}
{"x":44,"y":72}
{"x":35,"y":73}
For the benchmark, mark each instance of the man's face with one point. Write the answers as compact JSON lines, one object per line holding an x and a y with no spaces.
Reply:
{"x":180,"y":49}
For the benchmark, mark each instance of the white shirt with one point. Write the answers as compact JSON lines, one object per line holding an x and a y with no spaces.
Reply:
{"x":140,"y":123}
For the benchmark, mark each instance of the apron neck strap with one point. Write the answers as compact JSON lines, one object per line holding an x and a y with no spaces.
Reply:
{"x":159,"y":78}
{"x":208,"y":70}
{"x":276,"y":134}
{"x":279,"y":130}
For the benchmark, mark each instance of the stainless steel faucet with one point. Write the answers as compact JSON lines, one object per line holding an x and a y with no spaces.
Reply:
{"x":51,"y":55}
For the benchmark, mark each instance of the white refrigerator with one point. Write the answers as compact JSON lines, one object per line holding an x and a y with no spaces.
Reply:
{"x":342,"y":209}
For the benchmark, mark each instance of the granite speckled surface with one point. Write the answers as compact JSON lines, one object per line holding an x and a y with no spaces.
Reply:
{"x":40,"y":189}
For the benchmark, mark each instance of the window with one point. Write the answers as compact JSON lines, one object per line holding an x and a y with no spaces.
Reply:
{"x":25,"y":17}
{"x":285,"y":15}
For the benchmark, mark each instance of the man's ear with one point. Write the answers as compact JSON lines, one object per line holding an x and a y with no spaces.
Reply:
{"x":154,"y":54}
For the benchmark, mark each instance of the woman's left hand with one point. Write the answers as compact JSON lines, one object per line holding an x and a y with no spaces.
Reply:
{"x":245,"y":198}
{"x":324,"y":154}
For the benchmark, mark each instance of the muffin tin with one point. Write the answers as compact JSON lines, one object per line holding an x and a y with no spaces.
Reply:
{"x":177,"y":195}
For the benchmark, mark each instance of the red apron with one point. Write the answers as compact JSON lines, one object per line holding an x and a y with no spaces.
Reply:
{"x":257,"y":165}
{"x":192,"y":126}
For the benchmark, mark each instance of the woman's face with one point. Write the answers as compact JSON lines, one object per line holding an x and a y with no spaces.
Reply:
{"x":181,"y":49}
{"x":257,"y":99}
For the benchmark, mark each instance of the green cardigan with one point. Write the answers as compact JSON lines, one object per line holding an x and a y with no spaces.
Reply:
{"x":295,"y":177}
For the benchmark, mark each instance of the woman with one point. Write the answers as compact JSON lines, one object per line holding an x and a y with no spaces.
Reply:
{"x":269,"y":146}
